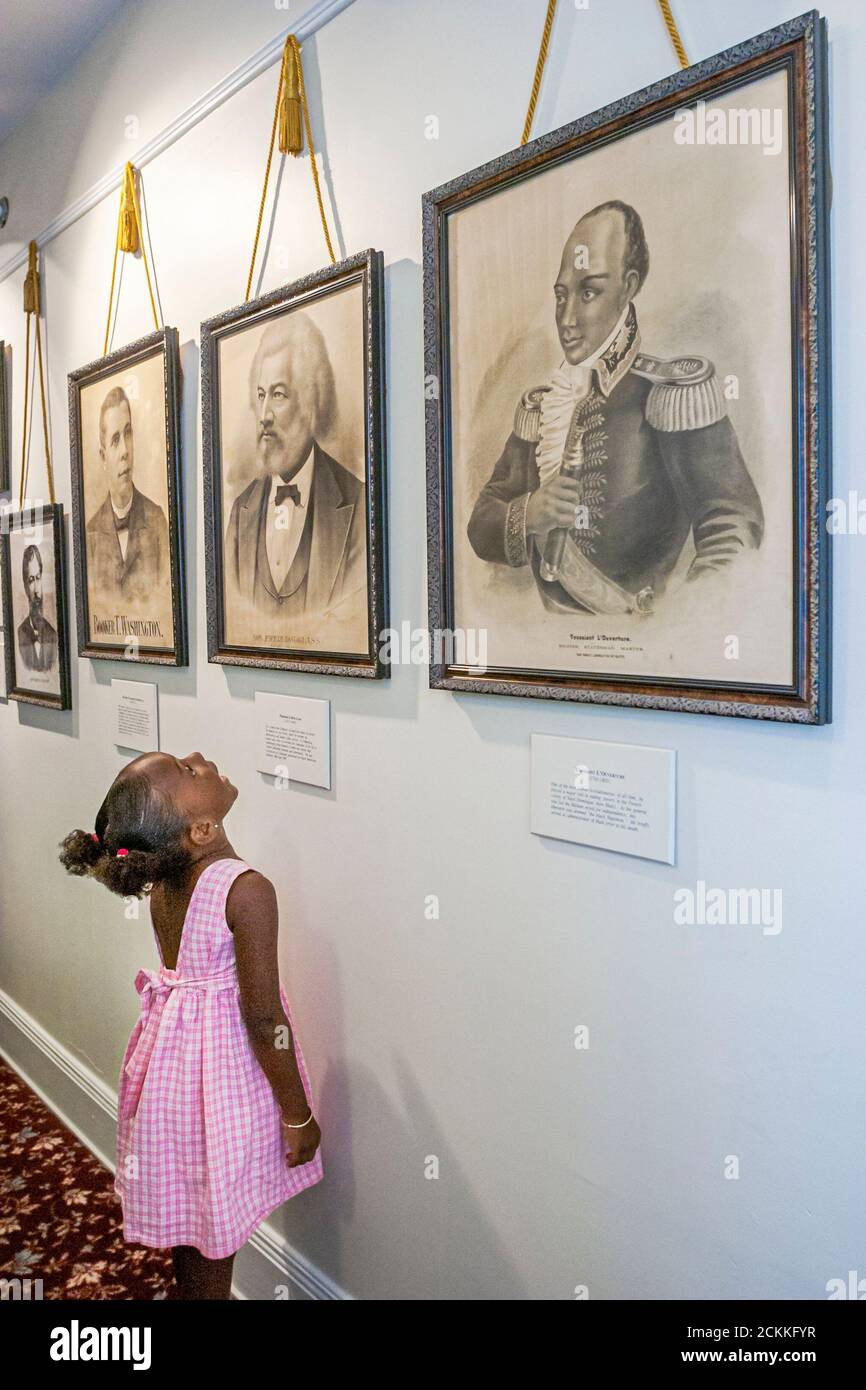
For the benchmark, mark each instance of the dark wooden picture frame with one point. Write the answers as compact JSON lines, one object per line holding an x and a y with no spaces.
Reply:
{"x":5,"y":434}
{"x":798,"y":49}
{"x":366,"y":269}
{"x":163,"y":344}
{"x":45,"y":517}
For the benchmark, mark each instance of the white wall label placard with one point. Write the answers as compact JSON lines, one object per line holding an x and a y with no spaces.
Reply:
{"x":618,"y":796}
{"x":136,"y":718}
{"x":294,"y":738}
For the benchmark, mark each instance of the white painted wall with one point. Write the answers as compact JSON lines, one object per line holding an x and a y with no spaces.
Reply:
{"x":454,"y":1038}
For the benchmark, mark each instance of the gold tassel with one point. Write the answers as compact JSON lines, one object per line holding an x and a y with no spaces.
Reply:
{"x":31,"y":282}
{"x":127,"y":232}
{"x":291,"y":135}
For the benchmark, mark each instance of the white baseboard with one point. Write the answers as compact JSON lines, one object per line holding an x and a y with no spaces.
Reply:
{"x":88,"y":1107}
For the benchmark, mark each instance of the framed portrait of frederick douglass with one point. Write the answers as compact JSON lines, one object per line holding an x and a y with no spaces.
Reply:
{"x":627,"y":399}
{"x":127,"y":506}
{"x":294,"y":475}
{"x":33,"y":558}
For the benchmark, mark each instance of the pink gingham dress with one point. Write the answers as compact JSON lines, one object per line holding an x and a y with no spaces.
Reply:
{"x":200,"y":1153}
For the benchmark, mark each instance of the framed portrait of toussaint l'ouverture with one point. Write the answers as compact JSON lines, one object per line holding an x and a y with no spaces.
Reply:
{"x":127,"y":504}
{"x":33,"y":557}
{"x":294,"y":475}
{"x":628,"y":413}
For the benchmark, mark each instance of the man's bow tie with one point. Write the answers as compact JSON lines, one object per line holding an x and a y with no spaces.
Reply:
{"x":122,"y":522}
{"x":285,"y":490}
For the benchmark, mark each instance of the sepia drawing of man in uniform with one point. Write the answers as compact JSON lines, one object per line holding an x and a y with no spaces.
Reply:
{"x":619,"y":457}
{"x":127,"y":537}
{"x":296,"y":540}
{"x":37,"y":639}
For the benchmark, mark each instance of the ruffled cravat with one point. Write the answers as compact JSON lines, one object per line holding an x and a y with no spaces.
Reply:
{"x":568,"y":385}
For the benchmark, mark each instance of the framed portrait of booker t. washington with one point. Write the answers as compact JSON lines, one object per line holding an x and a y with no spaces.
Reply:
{"x":628,"y":443}
{"x":294,"y":475}
{"x":127,"y":515}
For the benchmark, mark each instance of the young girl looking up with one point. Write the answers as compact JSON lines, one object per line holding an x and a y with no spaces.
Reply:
{"x":215,"y":1122}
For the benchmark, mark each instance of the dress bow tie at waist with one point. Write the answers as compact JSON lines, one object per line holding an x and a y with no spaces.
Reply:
{"x":153,"y":985}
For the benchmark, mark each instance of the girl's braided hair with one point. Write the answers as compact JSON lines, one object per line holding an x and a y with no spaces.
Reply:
{"x":136,"y":818}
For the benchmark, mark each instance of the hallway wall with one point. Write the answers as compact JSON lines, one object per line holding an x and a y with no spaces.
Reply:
{"x":454,"y":1037}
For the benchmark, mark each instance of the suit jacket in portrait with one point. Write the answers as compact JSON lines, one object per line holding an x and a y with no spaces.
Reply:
{"x":656,"y":458}
{"x":147,"y":566}
{"x":330,"y":565}
{"x":33,"y":660}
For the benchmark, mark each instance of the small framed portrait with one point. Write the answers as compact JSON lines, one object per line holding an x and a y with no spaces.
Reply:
{"x":34,"y":606}
{"x":127,"y":509}
{"x":628,"y":439}
{"x":294,"y":475}
{"x":5,"y":435}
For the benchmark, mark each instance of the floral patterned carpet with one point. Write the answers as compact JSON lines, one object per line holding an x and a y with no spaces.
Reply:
{"x":60,"y":1218}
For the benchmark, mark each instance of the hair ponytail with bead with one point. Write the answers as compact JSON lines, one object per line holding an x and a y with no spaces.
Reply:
{"x":138,"y":840}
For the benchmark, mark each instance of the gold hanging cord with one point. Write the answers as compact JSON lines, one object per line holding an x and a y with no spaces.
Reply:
{"x":673,"y":31}
{"x":32,"y":306}
{"x":129,"y":238}
{"x":667,"y":16}
{"x":290,"y":107}
{"x":539,"y":70}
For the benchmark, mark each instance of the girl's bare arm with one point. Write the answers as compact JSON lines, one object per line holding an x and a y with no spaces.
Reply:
{"x":252,"y":916}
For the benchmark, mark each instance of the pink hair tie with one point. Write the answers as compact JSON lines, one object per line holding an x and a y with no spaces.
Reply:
{"x":120,"y":853}
{"x":94,"y":837}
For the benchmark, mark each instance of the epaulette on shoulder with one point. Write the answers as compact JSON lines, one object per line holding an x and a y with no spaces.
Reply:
{"x":527,"y":416}
{"x":685,"y":392}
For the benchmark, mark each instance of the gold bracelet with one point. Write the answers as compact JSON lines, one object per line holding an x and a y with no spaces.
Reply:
{"x":291,"y":1126}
